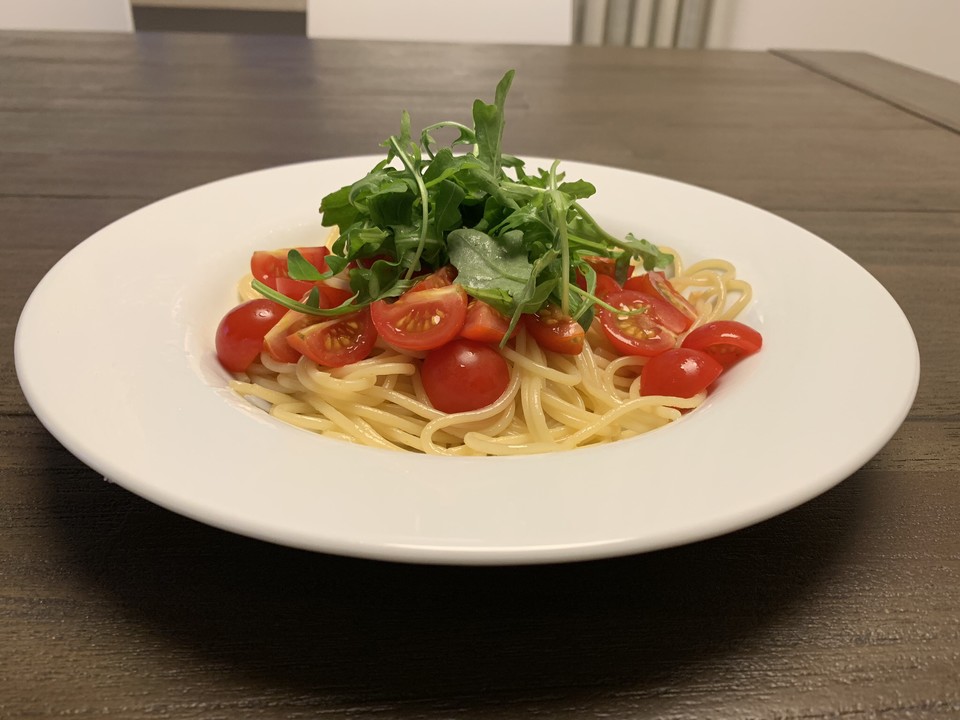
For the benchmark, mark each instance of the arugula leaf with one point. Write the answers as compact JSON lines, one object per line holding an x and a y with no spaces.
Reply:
{"x":299,"y":269}
{"x":337,"y":209}
{"x":484,"y":263}
{"x":515,"y":237}
{"x":488,"y":121}
{"x":446,"y":206}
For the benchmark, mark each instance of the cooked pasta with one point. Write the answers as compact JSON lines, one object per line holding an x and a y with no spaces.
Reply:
{"x":552,"y":402}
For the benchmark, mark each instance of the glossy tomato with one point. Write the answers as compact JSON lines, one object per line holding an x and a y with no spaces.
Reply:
{"x":636,"y":334}
{"x":330,"y":296}
{"x":421,"y":320}
{"x":464,"y":375}
{"x":555,"y":331}
{"x":655,"y":284}
{"x":606,"y":285}
{"x":337,"y":342}
{"x":267,"y":265}
{"x":726,"y":341}
{"x":438,"y":279}
{"x":679,"y":372}
{"x":240,"y":333}
{"x":485,"y":324}
{"x":275,"y":341}
{"x":602,"y":265}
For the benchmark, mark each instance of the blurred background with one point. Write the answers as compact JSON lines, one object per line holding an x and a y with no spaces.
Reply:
{"x":918,"y":33}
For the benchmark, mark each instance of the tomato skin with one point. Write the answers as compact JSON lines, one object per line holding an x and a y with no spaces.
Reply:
{"x":643,"y":334}
{"x":337,"y":342}
{"x":680,"y":372}
{"x":655,"y":284}
{"x":299,"y":290}
{"x":726,"y":341}
{"x":485,"y":324}
{"x":464,"y":375}
{"x":438,"y":279}
{"x":239,"y":339}
{"x":602,"y":265}
{"x":555,"y":331}
{"x":275,"y":341}
{"x":606,"y":284}
{"x":421,"y":320}
{"x":267,"y":265}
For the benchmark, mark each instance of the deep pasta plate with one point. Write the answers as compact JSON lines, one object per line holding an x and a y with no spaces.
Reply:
{"x":170,"y":430}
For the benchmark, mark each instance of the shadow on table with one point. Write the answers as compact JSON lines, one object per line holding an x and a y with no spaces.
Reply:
{"x":341,"y":630}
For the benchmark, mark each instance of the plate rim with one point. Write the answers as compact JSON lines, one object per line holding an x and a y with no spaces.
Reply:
{"x":448,"y":554}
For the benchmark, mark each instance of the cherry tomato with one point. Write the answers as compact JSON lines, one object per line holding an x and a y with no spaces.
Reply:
{"x":679,"y":372}
{"x":337,"y":342}
{"x":726,"y":341}
{"x":655,"y":284}
{"x":265,"y":265}
{"x":240,"y":333}
{"x":300,"y":289}
{"x":606,"y":284}
{"x":485,"y":324}
{"x":275,"y":341}
{"x":640,"y":334}
{"x":555,"y":331}
{"x":421,"y":320}
{"x":464,"y":375}
{"x":441,"y":278}
{"x":602,"y":265}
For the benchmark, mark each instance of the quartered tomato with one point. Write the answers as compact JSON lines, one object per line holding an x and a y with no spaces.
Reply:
{"x":336,"y":342}
{"x":240,"y":333}
{"x":267,"y":265}
{"x":655,"y":284}
{"x":636,"y":334}
{"x":726,"y":341}
{"x":555,"y":331}
{"x":421,"y":320}
{"x":464,"y":375}
{"x":438,"y":279}
{"x":679,"y":372}
{"x":484,"y":324}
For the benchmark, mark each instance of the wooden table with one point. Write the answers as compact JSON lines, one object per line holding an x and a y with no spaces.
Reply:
{"x":848,"y":605}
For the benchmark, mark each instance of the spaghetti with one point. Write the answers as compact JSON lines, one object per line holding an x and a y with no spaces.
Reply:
{"x":552,"y":402}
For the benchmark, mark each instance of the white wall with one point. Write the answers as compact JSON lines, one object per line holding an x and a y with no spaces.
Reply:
{"x":921,"y":33}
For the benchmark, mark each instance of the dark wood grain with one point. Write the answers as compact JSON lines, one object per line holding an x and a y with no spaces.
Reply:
{"x":925,"y":95}
{"x":113,"y":607}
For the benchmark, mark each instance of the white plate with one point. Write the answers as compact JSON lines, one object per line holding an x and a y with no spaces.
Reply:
{"x":114,"y":352}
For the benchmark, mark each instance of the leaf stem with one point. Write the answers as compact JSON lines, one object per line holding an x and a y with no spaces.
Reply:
{"x":424,"y":204}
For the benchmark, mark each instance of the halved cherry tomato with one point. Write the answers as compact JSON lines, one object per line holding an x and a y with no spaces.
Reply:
{"x":726,"y":341}
{"x":555,"y":331}
{"x":240,"y":333}
{"x":438,"y":279}
{"x":655,"y":284}
{"x":421,"y":320}
{"x":265,"y":265}
{"x":602,"y":265}
{"x":485,"y":324}
{"x":300,"y":289}
{"x":679,"y":372}
{"x":464,"y":375}
{"x":606,"y":284}
{"x":337,"y":342}
{"x":275,"y":341}
{"x":639,"y":334}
